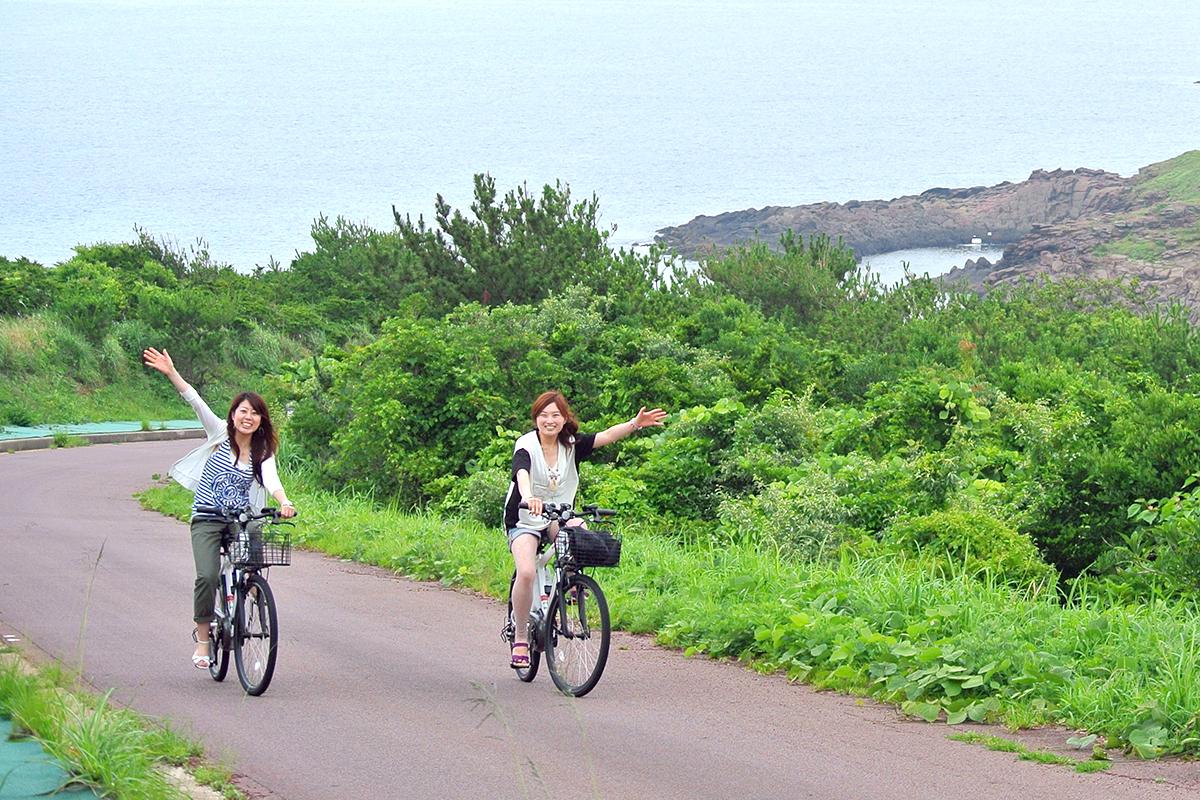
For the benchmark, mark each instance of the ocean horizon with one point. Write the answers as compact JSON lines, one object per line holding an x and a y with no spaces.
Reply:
{"x":240,"y":124}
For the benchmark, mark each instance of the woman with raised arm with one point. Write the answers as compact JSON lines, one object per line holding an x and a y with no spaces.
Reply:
{"x":545,"y":469}
{"x":233,"y":469}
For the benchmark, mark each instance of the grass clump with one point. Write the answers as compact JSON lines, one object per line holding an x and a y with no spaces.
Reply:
{"x":218,"y":778}
{"x":112,"y":750}
{"x":64,"y":439}
{"x":1133,"y":247}
{"x":999,"y":743}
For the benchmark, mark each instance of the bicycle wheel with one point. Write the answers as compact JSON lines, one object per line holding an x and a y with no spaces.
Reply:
{"x":535,"y":655}
{"x":218,"y":645}
{"x":577,"y":635}
{"x":255,"y":635}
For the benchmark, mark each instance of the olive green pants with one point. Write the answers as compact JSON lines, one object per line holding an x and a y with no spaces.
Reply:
{"x":206,"y":550}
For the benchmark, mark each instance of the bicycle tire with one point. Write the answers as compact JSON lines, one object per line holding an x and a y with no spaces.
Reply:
{"x":577,"y":636}
{"x":218,"y":645}
{"x":255,"y":635}
{"x":526,"y":674}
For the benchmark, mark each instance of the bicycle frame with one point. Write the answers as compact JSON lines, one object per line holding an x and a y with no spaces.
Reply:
{"x":226,"y":611}
{"x":547,"y":579}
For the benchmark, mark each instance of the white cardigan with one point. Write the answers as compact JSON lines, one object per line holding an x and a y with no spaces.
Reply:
{"x":187,"y":470}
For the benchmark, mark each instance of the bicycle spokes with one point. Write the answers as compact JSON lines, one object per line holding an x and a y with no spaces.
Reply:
{"x":256,"y":636}
{"x":577,"y":645}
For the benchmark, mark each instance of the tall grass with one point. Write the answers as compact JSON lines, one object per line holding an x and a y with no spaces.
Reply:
{"x":50,"y":373}
{"x":950,"y":646}
{"x":109,"y":749}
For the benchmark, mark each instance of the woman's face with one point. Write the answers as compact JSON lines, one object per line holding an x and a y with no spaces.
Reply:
{"x":549,"y":420}
{"x":245,"y":418}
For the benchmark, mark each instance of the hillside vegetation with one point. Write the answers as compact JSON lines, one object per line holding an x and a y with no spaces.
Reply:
{"x":965,"y":504}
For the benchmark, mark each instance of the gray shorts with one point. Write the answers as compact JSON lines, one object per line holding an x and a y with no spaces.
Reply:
{"x":513,"y":533}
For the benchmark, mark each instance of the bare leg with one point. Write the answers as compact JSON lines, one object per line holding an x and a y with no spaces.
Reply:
{"x":524,"y":550}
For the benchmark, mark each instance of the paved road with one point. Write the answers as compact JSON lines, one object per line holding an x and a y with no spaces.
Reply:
{"x":392,"y":689}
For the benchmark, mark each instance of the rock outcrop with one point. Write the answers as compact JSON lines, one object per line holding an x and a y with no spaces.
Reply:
{"x":1158,"y":245}
{"x":998,"y":215}
{"x":1056,"y":225}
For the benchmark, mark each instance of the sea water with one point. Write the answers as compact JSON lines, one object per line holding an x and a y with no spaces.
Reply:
{"x":240,"y":123}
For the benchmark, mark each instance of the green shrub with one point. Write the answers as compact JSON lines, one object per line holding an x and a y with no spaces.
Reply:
{"x":912,"y":408}
{"x":876,"y":491}
{"x":603,"y":485}
{"x":89,"y":295}
{"x":135,"y":335}
{"x":1161,"y":556}
{"x":680,"y":470}
{"x":801,"y":283}
{"x":975,"y":541}
{"x":12,"y":413}
{"x":803,"y":519}
{"x":771,"y":441}
{"x":422,"y":399}
{"x":25,"y":286}
{"x":478,"y":496}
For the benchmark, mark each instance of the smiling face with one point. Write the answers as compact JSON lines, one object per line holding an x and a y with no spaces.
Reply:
{"x":549,"y":421}
{"x":552,"y":418}
{"x":246,"y":418}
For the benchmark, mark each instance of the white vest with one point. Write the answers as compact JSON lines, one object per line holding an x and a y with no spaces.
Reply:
{"x":553,"y":486}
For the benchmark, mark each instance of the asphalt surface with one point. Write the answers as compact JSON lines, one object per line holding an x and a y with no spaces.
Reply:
{"x":386,"y":688}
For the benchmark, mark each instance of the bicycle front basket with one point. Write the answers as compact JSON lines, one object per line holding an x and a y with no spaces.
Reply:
{"x":588,"y":548}
{"x":271,"y":547}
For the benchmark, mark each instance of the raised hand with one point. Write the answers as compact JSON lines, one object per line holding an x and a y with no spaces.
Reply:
{"x":645,"y":419}
{"x":160,"y":361}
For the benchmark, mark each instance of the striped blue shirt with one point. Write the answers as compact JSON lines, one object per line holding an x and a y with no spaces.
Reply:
{"x":224,"y":484}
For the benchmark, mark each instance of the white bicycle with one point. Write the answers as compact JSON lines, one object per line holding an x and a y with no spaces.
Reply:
{"x":245,"y":620}
{"x":569,"y":618}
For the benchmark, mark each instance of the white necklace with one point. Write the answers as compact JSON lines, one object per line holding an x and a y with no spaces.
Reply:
{"x":552,"y":473}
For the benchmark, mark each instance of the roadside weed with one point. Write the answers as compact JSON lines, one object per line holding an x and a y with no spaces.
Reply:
{"x":1095,"y":764}
{"x":113,"y":750}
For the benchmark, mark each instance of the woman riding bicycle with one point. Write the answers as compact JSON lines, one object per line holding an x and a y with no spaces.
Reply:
{"x":545,"y":469}
{"x":233,"y":470}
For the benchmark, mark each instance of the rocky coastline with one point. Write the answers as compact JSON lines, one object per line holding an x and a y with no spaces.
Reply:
{"x":1059,"y":224}
{"x":998,"y":215}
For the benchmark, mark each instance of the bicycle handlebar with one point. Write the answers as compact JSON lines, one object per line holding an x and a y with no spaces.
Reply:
{"x":239,"y":514}
{"x":563,"y":511}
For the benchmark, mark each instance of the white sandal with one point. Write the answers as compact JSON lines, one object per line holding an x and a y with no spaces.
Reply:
{"x":199,"y":661}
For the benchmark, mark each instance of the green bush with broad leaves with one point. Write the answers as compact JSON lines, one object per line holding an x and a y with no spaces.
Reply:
{"x":803,"y":518}
{"x":25,"y":287}
{"x":794,"y":380}
{"x":976,"y":542}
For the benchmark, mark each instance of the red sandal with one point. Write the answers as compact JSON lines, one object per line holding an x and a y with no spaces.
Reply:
{"x":520,"y":660}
